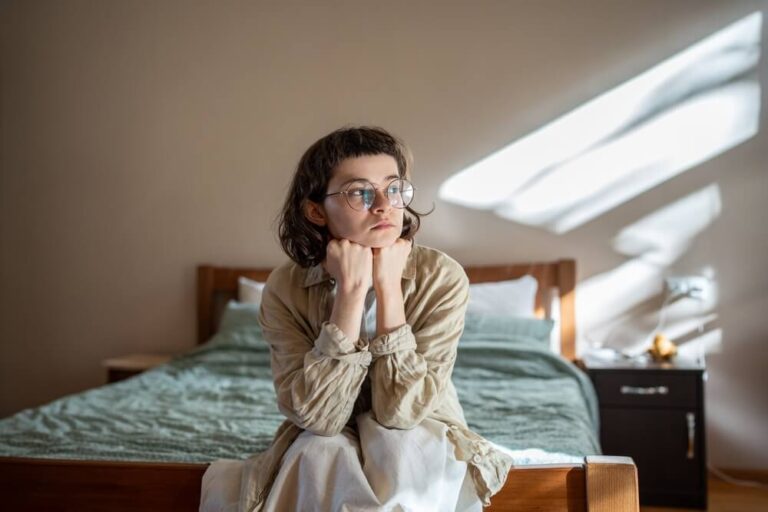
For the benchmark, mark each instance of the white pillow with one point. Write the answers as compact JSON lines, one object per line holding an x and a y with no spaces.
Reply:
{"x":515,"y":297}
{"x":249,"y":291}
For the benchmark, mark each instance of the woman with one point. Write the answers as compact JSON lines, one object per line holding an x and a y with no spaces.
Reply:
{"x":363,"y":327}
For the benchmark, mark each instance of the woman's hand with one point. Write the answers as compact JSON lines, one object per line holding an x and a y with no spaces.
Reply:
{"x":351,"y":264}
{"x":388,"y":265}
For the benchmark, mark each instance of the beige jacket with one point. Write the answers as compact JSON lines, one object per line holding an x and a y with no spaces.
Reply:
{"x":323,"y":379}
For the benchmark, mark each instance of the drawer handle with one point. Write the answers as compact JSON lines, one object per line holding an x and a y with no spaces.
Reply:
{"x":690,"y":419}
{"x":652,"y":390}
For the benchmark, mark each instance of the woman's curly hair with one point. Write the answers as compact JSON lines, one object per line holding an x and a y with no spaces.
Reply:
{"x":305,"y":242}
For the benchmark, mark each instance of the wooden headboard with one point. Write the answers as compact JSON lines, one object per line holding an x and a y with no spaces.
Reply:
{"x":216,"y":285}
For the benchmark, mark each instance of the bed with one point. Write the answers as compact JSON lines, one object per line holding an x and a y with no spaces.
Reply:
{"x":144,"y":443}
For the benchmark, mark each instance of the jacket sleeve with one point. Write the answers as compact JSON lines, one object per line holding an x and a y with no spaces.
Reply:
{"x":413,"y":364}
{"x":316,"y":380}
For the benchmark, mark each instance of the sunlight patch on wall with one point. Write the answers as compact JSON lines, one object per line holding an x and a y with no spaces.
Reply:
{"x":689,"y":329}
{"x":620,"y":309}
{"x":606,"y":297}
{"x":680,"y":113}
{"x":664,"y":235}
{"x":609,"y":302}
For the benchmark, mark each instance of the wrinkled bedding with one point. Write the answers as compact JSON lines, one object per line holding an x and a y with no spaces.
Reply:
{"x":217,"y":401}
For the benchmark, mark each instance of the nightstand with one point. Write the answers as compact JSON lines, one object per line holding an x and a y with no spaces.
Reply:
{"x":654,"y":413}
{"x":119,"y":368}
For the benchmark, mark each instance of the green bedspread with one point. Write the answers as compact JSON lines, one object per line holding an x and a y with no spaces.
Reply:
{"x":218,"y":402}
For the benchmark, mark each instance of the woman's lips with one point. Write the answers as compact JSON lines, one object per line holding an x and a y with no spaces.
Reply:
{"x":383,"y":226}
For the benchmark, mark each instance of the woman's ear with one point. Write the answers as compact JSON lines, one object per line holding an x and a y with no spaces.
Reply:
{"x":314,"y":213}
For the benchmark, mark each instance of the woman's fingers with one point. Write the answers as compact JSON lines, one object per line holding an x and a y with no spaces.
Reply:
{"x":356,"y":266}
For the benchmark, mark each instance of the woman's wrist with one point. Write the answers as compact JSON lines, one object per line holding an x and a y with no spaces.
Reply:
{"x":352,"y":291}
{"x":385,"y":287}
{"x":347,"y":312}
{"x":390,"y":309}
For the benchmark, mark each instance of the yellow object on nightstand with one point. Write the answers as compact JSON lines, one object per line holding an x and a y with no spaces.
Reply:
{"x":662,"y":348}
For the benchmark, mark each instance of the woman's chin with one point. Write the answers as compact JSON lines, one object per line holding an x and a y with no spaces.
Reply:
{"x":377,"y":242}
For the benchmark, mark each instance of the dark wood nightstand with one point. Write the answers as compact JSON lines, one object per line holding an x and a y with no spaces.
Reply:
{"x":654,"y":413}
{"x":119,"y":368}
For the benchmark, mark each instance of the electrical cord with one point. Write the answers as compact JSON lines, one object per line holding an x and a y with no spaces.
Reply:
{"x":663,"y":312}
{"x":735,"y":481}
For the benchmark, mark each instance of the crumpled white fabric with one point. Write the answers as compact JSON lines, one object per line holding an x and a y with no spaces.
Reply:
{"x":220,"y":488}
{"x":383,"y":469}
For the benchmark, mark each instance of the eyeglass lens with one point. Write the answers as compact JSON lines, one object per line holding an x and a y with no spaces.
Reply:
{"x":361,"y":194}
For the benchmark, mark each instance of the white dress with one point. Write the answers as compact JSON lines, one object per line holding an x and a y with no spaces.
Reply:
{"x":367,"y":468}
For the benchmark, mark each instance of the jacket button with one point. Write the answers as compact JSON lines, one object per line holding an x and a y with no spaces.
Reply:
{"x":477,"y":459}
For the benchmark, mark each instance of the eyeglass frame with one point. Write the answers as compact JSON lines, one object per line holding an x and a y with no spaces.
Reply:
{"x":376,"y":189}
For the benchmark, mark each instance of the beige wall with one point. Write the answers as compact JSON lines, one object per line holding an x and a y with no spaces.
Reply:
{"x":140,"y":139}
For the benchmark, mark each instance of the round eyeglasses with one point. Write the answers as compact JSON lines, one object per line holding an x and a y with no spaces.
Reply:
{"x":361,"y":194}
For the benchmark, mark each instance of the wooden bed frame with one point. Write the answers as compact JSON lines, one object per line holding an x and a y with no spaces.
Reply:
{"x":599,"y":484}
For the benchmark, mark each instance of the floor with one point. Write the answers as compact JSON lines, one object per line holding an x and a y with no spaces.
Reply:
{"x":725,"y":497}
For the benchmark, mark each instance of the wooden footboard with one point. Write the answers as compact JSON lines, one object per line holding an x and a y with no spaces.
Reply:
{"x":601,"y":484}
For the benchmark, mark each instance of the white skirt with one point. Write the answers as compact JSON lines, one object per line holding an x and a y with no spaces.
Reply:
{"x":383,"y":470}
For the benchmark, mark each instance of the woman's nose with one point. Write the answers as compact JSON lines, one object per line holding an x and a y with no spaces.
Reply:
{"x":381,"y":201}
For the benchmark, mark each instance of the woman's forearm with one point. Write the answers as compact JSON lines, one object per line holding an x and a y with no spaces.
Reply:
{"x":390,"y":309}
{"x":347,"y":311}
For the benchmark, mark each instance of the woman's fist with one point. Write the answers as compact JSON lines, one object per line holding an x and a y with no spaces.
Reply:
{"x":389,"y":263}
{"x":351,"y":264}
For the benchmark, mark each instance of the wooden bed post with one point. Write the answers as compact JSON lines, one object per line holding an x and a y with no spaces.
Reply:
{"x":566,"y":278}
{"x":611,"y":484}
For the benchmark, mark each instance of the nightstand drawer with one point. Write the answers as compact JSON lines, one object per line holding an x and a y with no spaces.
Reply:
{"x":647,"y":388}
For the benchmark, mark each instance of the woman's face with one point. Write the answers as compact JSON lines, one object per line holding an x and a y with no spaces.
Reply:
{"x":379,"y":226}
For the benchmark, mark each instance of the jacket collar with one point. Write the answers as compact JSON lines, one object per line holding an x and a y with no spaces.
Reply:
{"x":317,"y":274}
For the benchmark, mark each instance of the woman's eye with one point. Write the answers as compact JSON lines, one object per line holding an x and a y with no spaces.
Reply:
{"x":357,"y":192}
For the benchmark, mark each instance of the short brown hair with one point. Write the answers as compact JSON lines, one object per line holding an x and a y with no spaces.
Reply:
{"x":305,"y":242}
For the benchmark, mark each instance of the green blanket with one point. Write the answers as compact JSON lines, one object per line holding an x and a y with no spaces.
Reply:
{"x":522,"y":396}
{"x":218,"y":402}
